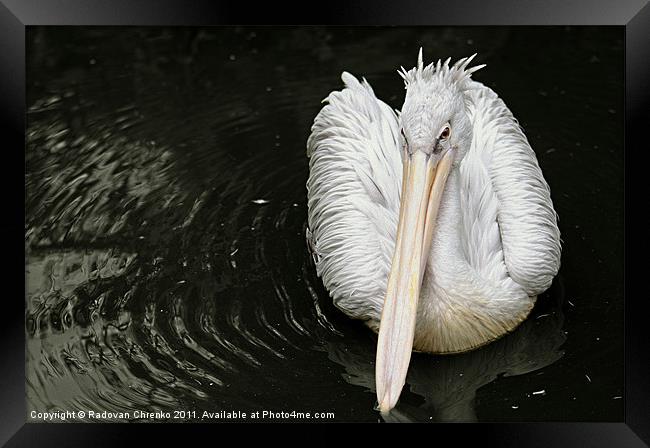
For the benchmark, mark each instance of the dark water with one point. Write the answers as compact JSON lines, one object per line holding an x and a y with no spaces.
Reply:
{"x":166,"y":205}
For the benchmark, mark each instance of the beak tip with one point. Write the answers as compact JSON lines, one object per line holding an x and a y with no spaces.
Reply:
{"x":387,"y":402}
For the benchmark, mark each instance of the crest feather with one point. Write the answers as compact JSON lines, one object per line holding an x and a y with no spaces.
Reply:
{"x":459,"y":73}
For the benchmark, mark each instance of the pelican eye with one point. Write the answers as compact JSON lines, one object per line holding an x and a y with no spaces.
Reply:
{"x":444,"y":135}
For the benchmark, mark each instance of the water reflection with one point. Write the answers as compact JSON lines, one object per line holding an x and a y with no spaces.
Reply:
{"x":448,"y":384}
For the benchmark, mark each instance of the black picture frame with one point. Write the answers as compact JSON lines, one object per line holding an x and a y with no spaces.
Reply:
{"x":16,"y":15}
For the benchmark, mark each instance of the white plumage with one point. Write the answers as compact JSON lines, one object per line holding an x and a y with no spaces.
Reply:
{"x":495,"y":243}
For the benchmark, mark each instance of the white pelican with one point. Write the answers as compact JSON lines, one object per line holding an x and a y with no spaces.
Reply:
{"x":435,"y":222}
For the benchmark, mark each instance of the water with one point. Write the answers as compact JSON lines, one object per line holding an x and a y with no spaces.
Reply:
{"x":167,"y":268}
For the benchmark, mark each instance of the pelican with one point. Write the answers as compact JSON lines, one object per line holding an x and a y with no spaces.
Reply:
{"x":433,"y":225}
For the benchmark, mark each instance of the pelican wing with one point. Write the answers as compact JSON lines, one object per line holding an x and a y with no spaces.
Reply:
{"x":353,"y":192}
{"x":502,"y":160}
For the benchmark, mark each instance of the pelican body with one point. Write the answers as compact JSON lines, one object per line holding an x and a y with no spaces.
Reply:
{"x":434,"y":225}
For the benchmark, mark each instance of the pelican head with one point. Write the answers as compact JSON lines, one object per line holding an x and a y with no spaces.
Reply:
{"x":434,"y":119}
{"x":436,"y":134}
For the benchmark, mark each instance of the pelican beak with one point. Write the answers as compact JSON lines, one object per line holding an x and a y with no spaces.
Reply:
{"x":423,"y":182}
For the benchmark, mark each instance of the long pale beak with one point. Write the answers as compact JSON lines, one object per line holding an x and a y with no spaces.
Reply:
{"x":423,"y":182}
